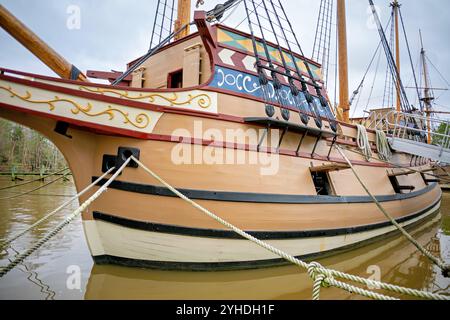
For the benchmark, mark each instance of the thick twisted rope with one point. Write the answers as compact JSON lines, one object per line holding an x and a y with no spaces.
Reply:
{"x":6,"y":243}
{"x":327,"y":273}
{"x":35,"y":180}
{"x":445,"y":268}
{"x":384,"y":151}
{"x":363,"y":141}
{"x":21,"y":257}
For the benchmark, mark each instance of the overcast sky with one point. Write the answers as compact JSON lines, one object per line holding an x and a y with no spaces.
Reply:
{"x":114,"y":32}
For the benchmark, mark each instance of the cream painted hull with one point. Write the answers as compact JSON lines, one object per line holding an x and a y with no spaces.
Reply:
{"x":123,"y":245}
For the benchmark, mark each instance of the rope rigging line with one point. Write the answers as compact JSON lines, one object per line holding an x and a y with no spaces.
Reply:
{"x":217,"y":13}
{"x":21,"y":257}
{"x":6,"y":242}
{"x":150,"y":53}
{"x":321,"y":276}
{"x":361,"y":84}
{"x":369,"y":99}
{"x":322,"y":101}
{"x":275,"y":81}
{"x":311,"y":107}
{"x":406,"y":107}
{"x":35,"y":189}
{"x":35,"y":180}
{"x":437,"y":70}
{"x":358,"y":91}
{"x":322,"y":39}
{"x":437,"y":261}
{"x":263,"y":81}
{"x":294,"y":90}
{"x":411,"y":60}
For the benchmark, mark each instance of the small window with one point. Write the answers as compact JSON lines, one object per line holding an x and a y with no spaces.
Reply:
{"x":175,"y":79}
{"x":322,"y":183}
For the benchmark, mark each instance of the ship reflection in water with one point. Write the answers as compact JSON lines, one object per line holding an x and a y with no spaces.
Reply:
{"x":52,"y":272}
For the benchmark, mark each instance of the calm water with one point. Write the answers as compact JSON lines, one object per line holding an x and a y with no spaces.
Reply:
{"x":44,"y":275}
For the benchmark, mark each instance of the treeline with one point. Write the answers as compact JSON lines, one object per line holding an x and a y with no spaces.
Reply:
{"x":25,"y":150}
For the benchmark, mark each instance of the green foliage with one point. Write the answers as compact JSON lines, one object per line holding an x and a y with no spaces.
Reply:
{"x":442,"y":129}
{"x":26,"y":150}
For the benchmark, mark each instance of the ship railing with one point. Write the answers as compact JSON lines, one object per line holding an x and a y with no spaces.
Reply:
{"x":418,"y":128}
{"x":375,"y":121}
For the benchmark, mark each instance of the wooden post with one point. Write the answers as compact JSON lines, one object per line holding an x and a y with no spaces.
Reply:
{"x":13,"y":173}
{"x":344,"y":102}
{"x":184,"y":18}
{"x":427,"y":98}
{"x":37,"y":46}
{"x":395,"y":5}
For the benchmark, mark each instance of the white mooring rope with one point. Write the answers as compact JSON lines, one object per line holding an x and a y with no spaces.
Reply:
{"x":321,"y":276}
{"x":435,"y":260}
{"x":383,"y":148}
{"x":363,"y":141}
{"x":21,"y":257}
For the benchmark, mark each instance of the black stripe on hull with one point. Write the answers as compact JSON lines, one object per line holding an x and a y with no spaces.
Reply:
{"x":257,"y":197}
{"x":241,"y":265}
{"x":263,"y":235}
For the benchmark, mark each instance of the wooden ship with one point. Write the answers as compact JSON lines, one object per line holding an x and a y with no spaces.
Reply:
{"x":220,"y":80}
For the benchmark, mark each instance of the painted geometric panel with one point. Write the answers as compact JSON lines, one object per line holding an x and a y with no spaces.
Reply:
{"x":243,"y":43}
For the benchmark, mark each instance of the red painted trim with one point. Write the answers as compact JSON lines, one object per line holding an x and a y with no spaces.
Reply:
{"x":100,"y":85}
{"x":83,"y":125}
{"x":106,"y":130}
{"x":204,"y":28}
{"x":100,"y":97}
{"x":147,"y":106}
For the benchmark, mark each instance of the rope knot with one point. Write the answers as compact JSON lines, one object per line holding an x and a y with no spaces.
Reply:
{"x":319,"y":274}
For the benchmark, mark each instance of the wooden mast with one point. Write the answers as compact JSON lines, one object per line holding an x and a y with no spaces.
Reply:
{"x":427,"y":95}
{"x":395,"y":5}
{"x":184,"y":18}
{"x":38,"y":47}
{"x":344,"y":102}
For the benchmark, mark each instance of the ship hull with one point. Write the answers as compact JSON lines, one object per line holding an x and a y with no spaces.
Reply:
{"x":261,"y":177}
{"x":137,"y":244}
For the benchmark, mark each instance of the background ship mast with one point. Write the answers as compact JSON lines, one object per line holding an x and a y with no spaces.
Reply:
{"x":184,"y":18}
{"x":344,"y":104}
{"x":428,"y":98}
{"x":396,"y":6}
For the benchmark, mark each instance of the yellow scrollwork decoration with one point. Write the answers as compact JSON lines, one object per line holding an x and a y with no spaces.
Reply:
{"x":141,"y":121}
{"x":202,"y":100}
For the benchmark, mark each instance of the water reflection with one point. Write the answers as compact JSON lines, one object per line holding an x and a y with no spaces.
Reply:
{"x":44,"y":274}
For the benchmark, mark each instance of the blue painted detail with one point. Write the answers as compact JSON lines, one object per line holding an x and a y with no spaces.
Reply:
{"x":248,"y":84}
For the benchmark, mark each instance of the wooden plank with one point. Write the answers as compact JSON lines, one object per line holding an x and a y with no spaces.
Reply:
{"x":329,"y":168}
{"x":406,"y":188}
{"x":403,"y":173}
